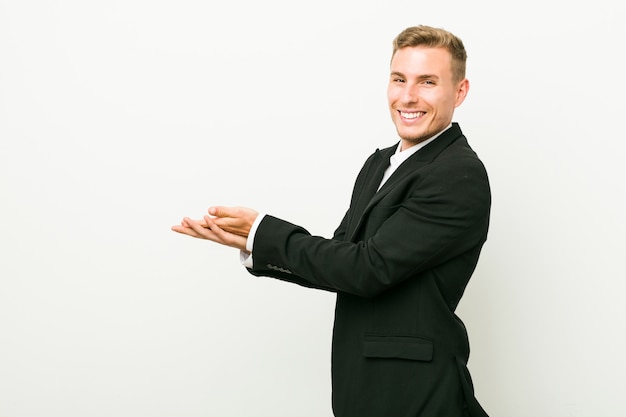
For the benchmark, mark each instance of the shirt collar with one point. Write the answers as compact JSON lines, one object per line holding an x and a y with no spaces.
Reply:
{"x":400,"y":156}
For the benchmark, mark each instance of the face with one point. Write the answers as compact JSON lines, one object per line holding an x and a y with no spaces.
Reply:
{"x":422,"y":94}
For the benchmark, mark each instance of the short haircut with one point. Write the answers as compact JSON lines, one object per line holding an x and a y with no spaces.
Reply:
{"x":434,"y":38}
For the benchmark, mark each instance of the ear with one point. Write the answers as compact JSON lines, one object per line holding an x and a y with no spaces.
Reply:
{"x":461,"y":92}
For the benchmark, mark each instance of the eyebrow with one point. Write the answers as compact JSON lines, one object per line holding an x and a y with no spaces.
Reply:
{"x":419,"y":77}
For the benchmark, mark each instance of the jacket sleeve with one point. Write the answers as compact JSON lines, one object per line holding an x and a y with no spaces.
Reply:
{"x":444,"y":215}
{"x":274,"y":271}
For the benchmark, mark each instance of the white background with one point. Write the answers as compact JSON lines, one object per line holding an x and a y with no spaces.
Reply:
{"x":118,"y":118}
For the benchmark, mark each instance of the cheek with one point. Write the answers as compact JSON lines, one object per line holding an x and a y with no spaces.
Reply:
{"x":394,"y":93}
{"x":441,"y":103}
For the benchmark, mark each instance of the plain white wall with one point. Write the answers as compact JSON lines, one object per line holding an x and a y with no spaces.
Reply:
{"x":118,"y":118}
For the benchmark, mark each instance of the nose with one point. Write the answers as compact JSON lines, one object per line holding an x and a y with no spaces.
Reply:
{"x":410,"y":94}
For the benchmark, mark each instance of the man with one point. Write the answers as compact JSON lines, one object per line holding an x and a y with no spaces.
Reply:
{"x":404,"y":252}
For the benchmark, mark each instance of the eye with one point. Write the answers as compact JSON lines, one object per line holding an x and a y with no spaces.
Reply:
{"x":398,"y":80}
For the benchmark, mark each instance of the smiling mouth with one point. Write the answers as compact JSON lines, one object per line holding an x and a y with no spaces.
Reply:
{"x":411,"y":115}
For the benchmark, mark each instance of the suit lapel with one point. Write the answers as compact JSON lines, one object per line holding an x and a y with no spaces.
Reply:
{"x":373,"y":177}
{"x":378,"y":171}
{"x":369,"y":197}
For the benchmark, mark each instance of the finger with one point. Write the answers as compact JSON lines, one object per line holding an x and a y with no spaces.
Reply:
{"x":211,"y":225}
{"x":213,"y":232}
{"x":196,"y":225}
{"x":232,"y":225}
{"x":226,"y":222}
{"x":221,"y":211}
{"x":225,"y":237}
{"x":178,"y":228}
{"x":185,"y":231}
{"x":182,"y":227}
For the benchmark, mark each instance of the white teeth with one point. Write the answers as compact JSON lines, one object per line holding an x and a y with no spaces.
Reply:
{"x":411,"y":115}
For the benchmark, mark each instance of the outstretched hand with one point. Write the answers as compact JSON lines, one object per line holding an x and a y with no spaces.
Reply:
{"x":230,"y":226}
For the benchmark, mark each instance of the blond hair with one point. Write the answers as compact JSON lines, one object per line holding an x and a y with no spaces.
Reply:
{"x":434,"y":38}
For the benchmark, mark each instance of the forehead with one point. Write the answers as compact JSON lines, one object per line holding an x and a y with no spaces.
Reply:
{"x":420,"y":60}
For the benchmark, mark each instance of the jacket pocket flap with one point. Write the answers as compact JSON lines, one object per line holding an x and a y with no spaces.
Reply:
{"x":401,"y":347}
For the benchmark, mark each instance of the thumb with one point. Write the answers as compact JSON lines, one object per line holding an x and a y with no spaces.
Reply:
{"x":220,"y":211}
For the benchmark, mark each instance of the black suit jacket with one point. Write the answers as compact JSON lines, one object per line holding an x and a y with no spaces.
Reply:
{"x":399,"y":262}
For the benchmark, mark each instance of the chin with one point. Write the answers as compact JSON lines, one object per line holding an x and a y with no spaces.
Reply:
{"x":413,"y":137}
